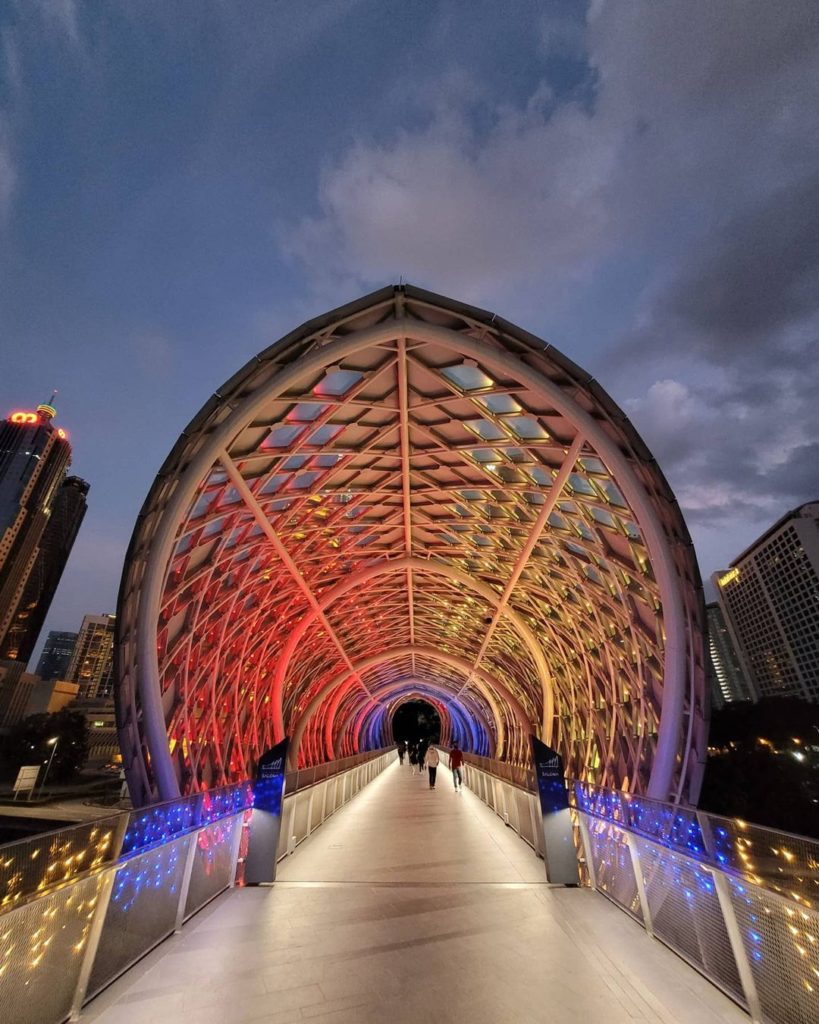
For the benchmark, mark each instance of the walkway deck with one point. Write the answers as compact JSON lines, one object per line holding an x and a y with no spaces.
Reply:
{"x":412,"y":906}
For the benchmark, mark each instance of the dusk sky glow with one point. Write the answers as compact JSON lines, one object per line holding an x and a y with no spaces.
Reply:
{"x":637,"y":183}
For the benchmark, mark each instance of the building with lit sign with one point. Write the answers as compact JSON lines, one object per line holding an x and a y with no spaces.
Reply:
{"x":411,"y":498}
{"x":770,"y":599}
{"x":34,"y":456}
{"x":726,"y":678}
{"x":67,"y":513}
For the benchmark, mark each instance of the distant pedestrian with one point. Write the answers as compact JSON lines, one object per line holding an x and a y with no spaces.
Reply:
{"x":433,"y":760}
{"x":422,"y":753}
{"x":402,"y":749}
{"x":456,"y":759}
{"x":413,"y":757}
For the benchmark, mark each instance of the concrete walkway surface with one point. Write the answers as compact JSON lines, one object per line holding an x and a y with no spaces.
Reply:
{"x":411,"y":906}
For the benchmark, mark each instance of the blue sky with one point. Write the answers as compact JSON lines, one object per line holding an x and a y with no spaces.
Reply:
{"x":181,"y":183}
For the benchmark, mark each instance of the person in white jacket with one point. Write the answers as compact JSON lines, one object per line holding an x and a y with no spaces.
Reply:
{"x":433,"y":759}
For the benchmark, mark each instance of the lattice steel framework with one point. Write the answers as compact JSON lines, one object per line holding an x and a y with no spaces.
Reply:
{"x":410,"y":497}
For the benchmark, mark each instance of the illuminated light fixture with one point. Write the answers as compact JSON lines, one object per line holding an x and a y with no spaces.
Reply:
{"x":61,"y":434}
{"x":24,"y":417}
{"x":732,"y":574}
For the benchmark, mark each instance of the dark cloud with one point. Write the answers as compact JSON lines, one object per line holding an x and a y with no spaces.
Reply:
{"x":755,"y":277}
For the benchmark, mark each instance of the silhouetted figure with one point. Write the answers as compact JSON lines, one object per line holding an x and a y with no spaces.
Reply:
{"x":456,"y":759}
{"x":433,"y":760}
{"x":422,"y":753}
{"x":402,"y":749}
{"x":413,"y":757}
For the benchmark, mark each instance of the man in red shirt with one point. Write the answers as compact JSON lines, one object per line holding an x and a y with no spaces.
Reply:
{"x":456,"y":759}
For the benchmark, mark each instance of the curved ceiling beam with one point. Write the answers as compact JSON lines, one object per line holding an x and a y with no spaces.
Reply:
{"x":484,"y":683}
{"x":421,"y":565}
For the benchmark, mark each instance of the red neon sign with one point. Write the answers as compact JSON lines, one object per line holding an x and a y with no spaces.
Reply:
{"x":24,"y":417}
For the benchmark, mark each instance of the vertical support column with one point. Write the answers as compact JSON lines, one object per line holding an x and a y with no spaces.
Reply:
{"x":92,"y":945}
{"x":186,"y":880}
{"x":744,"y":970}
{"x":587,"y":848}
{"x":636,"y":867}
{"x":236,"y":846}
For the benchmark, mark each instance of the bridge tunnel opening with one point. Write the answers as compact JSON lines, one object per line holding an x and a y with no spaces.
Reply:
{"x":416,"y":721}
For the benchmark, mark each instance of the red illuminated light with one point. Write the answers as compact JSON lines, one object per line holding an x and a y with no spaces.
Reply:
{"x":24,"y":417}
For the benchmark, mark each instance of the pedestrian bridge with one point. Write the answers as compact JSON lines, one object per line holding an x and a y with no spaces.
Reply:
{"x":410,"y":498}
{"x":394,"y":901}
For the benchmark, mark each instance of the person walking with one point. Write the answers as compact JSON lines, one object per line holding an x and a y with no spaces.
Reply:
{"x":401,"y":751}
{"x":422,"y":753}
{"x":413,"y":758}
{"x":456,"y":759}
{"x":433,"y":760}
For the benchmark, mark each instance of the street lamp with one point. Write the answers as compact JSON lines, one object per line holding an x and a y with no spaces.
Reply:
{"x":53,"y":744}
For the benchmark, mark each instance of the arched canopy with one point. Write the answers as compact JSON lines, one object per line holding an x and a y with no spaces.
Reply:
{"x":410,"y":497}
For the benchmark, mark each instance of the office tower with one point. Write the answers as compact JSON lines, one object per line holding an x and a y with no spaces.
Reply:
{"x":16,"y":688}
{"x":56,"y":656}
{"x":92,"y":664}
{"x":770,"y":599}
{"x":727,"y":682}
{"x":34,"y":455}
{"x":67,"y":512}
{"x":50,"y":695}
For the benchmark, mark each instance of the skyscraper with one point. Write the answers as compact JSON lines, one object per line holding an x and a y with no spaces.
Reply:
{"x":92,"y":663}
{"x":770,"y":598}
{"x":56,"y":656}
{"x":67,"y":512}
{"x":727,"y":681}
{"x":34,"y":455}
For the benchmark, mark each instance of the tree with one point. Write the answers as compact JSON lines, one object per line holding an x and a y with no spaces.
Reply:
{"x":763,"y":764}
{"x":27,"y":743}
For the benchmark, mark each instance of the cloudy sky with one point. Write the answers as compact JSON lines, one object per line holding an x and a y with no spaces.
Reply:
{"x":636,"y":182}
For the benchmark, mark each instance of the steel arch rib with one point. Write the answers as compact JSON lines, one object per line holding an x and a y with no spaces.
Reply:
{"x":180,"y":487}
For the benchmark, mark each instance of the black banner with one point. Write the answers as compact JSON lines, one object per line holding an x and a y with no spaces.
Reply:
{"x":551,"y":785}
{"x":268,"y":790}
{"x":558,"y":841}
{"x":266,"y":820}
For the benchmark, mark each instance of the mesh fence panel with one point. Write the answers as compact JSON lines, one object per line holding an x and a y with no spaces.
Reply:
{"x":212,"y":862}
{"x":782,"y":942}
{"x":686,"y":914}
{"x":39,"y":863}
{"x":142,"y":910}
{"x":41,"y":951}
{"x":612,"y":865}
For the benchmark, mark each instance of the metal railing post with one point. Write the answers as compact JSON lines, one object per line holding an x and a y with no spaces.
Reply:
{"x":92,"y":945}
{"x":744,"y":971}
{"x":97,"y":923}
{"x":236,"y":846}
{"x":587,"y":849}
{"x":636,"y":867}
{"x":186,"y":881}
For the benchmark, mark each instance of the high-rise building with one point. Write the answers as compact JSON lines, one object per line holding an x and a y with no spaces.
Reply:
{"x":67,"y":512}
{"x":725,"y":675}
{"x":50,"y":695}
{"x":770,"y":598}
{"x":16,"y":688}
{"x":56,"y":656}
{"x":92,"y":663}
{"x":34,"y":455}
